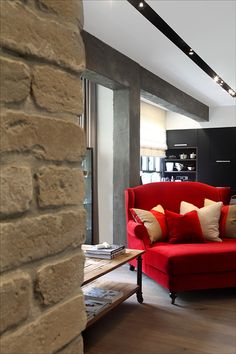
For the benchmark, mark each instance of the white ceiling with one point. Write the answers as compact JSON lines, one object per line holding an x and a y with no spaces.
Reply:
{"x":208,"y":26}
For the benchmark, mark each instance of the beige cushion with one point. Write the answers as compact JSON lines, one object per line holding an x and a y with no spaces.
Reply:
{"x":159,"y":208}
{"x":227,"y":220}
{"x":154,"y":223}
{"x":209,"y":217}
{"x":208,"y":202}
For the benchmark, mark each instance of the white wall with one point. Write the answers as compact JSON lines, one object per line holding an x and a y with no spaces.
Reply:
{"x":219,"y":117}
{"x":105,"y":163}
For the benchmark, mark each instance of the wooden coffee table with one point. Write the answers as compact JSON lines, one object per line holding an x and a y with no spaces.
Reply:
{"x":95,"y":268}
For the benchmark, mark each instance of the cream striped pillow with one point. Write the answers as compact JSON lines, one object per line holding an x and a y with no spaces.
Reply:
{"x":209,"y":217}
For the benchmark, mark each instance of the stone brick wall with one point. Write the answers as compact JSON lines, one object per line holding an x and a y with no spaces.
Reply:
{"x":42,"y":218}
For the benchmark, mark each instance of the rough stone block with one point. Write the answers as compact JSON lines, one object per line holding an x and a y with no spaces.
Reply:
{"x":34,"y":238}
{"x":56,"y":90}
{"x":40,"y":37}
{"x":72,"y":12}
{"x":14,"y":298}
{"x":49,"y":332}
{"x":16,"y":189}
{"x":75,"y":347}
{"x":56,"y":280}
{"x":15,"y":80}
{"x":60,"y":186}
{"x":44,"y":137}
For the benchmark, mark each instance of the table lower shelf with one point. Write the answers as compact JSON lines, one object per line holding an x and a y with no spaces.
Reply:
{"x":126,"y":288}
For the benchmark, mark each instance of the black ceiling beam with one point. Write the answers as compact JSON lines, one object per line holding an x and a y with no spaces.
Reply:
{"x":162,"y":26}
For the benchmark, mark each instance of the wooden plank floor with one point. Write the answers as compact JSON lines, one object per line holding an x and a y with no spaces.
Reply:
{"x":201,"y":322}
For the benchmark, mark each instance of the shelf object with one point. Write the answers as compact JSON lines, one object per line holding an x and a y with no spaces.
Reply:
{"x":177,"y":168}
{"x":96,"y":268}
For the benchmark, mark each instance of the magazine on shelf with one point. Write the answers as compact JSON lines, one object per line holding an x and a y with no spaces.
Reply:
{"x":94,"y":306}
{"x":89,"y":314}
{"x":104,"y":295}
{"x":105,"y":255}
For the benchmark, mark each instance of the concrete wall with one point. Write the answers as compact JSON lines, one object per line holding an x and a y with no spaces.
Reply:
{"x":42,"y":218}
{"x":105,"y":163}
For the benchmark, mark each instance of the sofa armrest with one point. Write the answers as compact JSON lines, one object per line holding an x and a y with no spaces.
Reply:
{"x":137,"y":235}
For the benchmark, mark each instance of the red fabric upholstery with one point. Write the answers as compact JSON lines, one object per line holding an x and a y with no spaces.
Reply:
{"x":180,"y":267}
{"x":193,"y":258}
{"x":170,"y":194}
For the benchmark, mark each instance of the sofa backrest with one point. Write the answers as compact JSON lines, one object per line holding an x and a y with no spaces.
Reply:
{"x":170,"y":194}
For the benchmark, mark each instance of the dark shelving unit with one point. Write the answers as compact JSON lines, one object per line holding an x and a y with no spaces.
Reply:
{"x":87,"y":166}
{"x":182,"y":174}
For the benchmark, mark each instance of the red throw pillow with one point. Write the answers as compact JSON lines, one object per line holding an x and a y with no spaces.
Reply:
{"x":154,"y":221}
{"x":184,"y":228}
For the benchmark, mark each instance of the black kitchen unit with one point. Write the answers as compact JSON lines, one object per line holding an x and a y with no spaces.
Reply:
{"x":216,"y":153}
{"x":181,"y":138}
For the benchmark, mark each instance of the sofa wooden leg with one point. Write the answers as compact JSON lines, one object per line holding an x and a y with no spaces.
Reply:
{"x":173,"y":296}
{"x":131,"y":267}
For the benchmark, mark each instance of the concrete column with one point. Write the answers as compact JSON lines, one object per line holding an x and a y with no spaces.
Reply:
{"x":126,"y":154}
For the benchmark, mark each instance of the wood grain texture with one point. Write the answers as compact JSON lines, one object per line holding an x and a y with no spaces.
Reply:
{"x":201,"y":322}
{"x":95,"y":267}
{"x":127,"y":290}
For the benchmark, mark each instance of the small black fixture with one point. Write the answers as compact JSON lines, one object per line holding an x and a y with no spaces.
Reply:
{"x":160,"y":24}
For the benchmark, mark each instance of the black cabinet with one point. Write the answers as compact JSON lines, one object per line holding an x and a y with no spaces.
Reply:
{"x":216,"y":153}
{"x":181,"y":138}
{"x":204,"y":169}
{"x":220,"y":157}
{"x":217,"y":161}
{"x":222,"y":174}
{"x":222,"y":143}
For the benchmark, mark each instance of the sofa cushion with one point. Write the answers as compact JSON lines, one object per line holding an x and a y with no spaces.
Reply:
{"x":184,"y":228}
{"x":209,"y":217}
{"x":209,"y":257}
{"x":153,"y":220}
{"x":227,"y":219}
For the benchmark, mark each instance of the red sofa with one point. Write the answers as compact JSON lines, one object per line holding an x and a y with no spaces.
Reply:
{"x":181,"y":267}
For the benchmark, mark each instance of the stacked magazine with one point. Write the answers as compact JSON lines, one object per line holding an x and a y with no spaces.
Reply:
{"x":93,"y":307}
{"x":105,"y":253}
{"x":96,"y":299}
{"x":100,"y":294}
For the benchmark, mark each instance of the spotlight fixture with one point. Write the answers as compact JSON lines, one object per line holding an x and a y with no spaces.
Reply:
{"x":231,"y":92}
{"x":191,"y":52}
{"x":162,"y":26}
